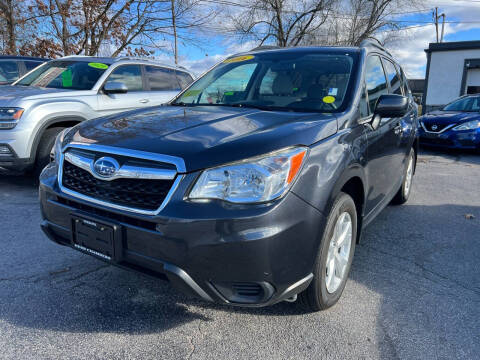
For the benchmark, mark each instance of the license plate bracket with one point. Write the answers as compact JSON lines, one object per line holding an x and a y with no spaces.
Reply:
{"x":96,"y":237}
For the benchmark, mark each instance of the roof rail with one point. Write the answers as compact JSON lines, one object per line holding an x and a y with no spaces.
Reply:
{"x":153,"y":60}
{"x":266,"y":47}
{"x":371,"y":41}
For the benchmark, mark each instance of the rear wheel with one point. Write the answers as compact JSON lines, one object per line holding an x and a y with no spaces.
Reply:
{"x":404,"y":192}
{"x":44,"y":149}
{"x":335,"y":256}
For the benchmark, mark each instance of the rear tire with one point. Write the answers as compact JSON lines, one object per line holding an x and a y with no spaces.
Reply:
{"x":45,"y":146}
{"x":335,"y":256}
{"x":401,"y":197}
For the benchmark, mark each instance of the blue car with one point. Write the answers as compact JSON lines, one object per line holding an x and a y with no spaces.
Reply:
{"x":456,"y":126}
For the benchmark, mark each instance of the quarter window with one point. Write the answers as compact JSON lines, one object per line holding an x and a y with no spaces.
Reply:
{"x":184,"y":79}
{"x":375,"y":80}
{"x":130,"y":75}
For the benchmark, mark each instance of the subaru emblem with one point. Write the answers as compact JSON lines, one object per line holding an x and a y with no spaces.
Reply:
{"x":434,"y":127}
{"x":106,"y":167}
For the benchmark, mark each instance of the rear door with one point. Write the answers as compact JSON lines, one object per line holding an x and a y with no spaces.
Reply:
{"x":382,"y":169}
{"x":136,"y":97}
{"x":163,"y":84}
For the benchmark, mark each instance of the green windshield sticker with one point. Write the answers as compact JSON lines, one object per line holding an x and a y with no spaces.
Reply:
{"x":228,"y":93}
{"x":98,"y":65}
{"x":67,"y":79}
{"x":192,"y":93}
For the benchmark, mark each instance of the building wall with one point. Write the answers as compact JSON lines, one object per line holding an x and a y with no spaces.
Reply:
{"x":445,"y":75}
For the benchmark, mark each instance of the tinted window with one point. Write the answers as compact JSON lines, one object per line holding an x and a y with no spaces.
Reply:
{"x":375,"y":79}
{"x":363,"y":107}
{"x":8,"y":71}
{"x":162,"y":79}
{"x":130,"y":75}
{"x":406,"y":89}
{"x":303,"y":81}
{"x":30,"y":65}
{"x":393,"y":78}
{"x":184,"y":79}
{"x":65,"y":74}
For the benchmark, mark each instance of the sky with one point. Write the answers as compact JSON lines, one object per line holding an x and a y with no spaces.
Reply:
{"x":463,"y":24}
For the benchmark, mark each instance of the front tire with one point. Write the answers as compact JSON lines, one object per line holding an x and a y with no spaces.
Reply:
{"x":335,"y":256}
{"x":45,"y":146}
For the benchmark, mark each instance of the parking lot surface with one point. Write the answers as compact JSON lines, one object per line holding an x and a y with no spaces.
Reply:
{"x":413,"y":292}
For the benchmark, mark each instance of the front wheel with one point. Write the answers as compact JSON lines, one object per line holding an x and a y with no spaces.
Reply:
{"x":335,"y":256}
{"x":403,"y":193}
{"x":44,"y":149}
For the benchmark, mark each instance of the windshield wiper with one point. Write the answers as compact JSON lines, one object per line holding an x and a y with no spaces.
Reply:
{"x":253,"y":106}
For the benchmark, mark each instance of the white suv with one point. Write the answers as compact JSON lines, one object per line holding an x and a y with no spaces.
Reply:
{"x":63,"y":92}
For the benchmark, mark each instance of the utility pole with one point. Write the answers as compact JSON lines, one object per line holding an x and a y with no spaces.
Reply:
{"x":174,"y":25}
{"x":436,"y":17}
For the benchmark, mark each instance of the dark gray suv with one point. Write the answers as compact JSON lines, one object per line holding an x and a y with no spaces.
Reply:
{"x":253,"y":185}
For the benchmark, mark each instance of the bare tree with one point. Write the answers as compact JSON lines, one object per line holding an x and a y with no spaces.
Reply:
{"x":286,"y":22}
{"x":8,"y":18}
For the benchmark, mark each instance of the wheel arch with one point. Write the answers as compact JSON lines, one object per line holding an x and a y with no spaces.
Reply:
{"x":63,"y":121}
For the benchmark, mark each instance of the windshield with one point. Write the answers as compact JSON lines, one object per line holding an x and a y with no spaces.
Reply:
{"x":65,"y":74}
{"x":290,"y":81}
{"x":466,"y":104}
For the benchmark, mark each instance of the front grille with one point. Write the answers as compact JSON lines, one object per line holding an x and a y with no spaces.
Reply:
{"x":142,"y":194}
{"x":438,"y":127}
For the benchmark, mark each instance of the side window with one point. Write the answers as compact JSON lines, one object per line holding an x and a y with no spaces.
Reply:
{"x":184,"y":79}
{"x":375,"y":79}
{"x":161,"y":79}
{"x":8,"y":71}
{"x":30,"y":65}
{"x":130,"y":75}
{"x":393,"y":78}
{"x":405,"y":86}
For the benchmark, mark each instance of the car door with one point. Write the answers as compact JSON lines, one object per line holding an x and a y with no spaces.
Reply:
{"x":135,"y":97}
{"x":163,"y":84}
{"x":382,"y":140}
{"x":403,"y":126}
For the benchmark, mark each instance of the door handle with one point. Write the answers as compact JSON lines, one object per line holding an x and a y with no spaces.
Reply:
{"x":144,"y":101}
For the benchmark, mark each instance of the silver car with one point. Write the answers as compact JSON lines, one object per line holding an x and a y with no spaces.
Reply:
{"x":63,"y":92}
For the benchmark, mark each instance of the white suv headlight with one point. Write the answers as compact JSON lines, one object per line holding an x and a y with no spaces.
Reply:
{"x":471,"y":125}
{"x":254,"y":180}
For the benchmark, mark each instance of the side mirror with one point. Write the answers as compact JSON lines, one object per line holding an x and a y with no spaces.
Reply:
{"x":391,"y":106}
{"x":115,"y":87}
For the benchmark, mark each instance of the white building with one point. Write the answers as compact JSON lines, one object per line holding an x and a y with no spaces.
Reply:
{"x":453,"y":70}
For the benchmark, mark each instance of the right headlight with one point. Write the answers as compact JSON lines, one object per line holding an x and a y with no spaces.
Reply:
{"x":255,"y":180}
{"x":471,"y":125}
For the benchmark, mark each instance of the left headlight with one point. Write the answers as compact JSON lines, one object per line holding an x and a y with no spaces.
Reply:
{"x":471,"y":125}
{"x":9,"y":117}
{"x":57,"y":147}
{"x":254,"y":180}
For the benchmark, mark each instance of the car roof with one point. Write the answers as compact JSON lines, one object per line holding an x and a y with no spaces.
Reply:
{"x":14,"y":57}
{"x":126,"y":59}
{"x":299,"y":49}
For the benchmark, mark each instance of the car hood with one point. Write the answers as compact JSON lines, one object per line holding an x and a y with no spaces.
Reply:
{"x":205,"y":136}
{"x":11,"y":94}
{"x":449,"y":117}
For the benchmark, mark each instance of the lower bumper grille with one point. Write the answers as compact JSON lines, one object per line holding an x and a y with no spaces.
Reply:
{"x":143,"y":194}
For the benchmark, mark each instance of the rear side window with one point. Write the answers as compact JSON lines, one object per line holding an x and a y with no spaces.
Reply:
{"x":161,"y":79}
{"x":30,"y":65}
{"x":393,"y":78}
{"x":130,"y":75}
{"x":8,"y":71}
{"x":184,"y":79}
{"x":375,"y":80}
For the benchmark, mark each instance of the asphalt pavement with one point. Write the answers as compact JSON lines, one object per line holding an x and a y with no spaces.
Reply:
{"x":413,"y":292}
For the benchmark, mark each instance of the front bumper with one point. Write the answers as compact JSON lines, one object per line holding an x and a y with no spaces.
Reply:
{"x":250,"y":256}
{"x":467,"y":139}
{"x":16,"y":140}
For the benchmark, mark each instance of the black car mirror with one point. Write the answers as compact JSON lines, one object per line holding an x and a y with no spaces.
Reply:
{"x":115,"y":87}
{"x":391,"y":106}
